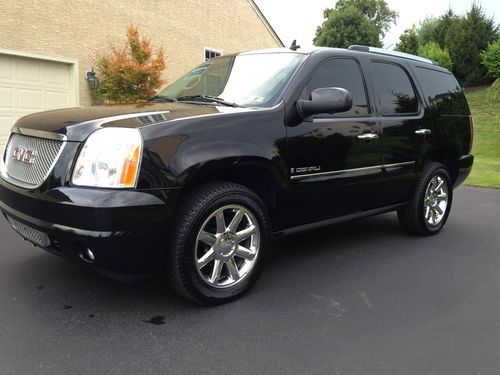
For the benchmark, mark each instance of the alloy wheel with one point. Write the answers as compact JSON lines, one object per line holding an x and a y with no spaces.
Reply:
{"x":227,"y":246}
{"x":435,"y":200}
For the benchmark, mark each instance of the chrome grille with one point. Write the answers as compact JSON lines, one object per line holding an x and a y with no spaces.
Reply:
{"x":31,"y":234}
{"x":30,"y":174}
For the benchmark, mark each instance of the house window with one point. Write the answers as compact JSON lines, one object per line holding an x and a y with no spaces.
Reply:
{"x":211,"y":53}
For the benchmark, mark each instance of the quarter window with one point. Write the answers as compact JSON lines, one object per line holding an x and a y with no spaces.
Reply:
{"x":344,"y":73}
{"x":443,"y":91}
{"x":394,"y":89}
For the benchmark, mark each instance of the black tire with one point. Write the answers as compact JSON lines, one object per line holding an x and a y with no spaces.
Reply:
{"x":412,"y":217}
{"x":194,"y":209}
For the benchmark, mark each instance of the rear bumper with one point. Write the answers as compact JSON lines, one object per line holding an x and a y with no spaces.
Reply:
{"x":464,"y":168}
{"x":126,"y":230}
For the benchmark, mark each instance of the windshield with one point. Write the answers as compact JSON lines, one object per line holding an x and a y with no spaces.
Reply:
{"x":246,"y":80}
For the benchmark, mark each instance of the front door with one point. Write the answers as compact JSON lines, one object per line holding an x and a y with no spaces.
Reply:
{"x":334,"y":160}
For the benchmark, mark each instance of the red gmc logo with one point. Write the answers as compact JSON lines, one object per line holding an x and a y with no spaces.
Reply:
{"x":26,"y":155}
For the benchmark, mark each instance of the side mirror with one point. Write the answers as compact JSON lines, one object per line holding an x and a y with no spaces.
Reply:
{"x":325,"y":100}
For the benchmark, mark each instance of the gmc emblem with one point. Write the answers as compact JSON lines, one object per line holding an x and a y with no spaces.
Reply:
{"x":25,"y":155}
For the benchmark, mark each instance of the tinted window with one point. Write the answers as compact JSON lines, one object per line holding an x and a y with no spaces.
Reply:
{"x":344,"y":73}
{"x":394,"y":89}
{"x":443,"y":91}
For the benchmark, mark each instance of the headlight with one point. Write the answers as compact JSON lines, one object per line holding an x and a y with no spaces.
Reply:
{"x":110,"y":158}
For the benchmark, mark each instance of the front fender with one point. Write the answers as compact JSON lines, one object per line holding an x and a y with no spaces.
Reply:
{"x":175,"y":153}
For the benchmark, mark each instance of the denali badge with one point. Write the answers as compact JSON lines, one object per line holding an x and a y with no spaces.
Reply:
{"x":314,"y":168}
{"x":26,"y":155}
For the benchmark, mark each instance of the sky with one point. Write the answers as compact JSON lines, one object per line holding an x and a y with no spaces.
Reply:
{"x":298,"y":19}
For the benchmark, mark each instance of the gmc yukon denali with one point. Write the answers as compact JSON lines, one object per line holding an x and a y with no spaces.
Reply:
{"x":196,"y":182}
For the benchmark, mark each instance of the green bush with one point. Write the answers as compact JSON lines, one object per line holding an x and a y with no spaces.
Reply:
{"x":494,"y":94}
{"x":491,"y":59}
{"x":434,"y":52}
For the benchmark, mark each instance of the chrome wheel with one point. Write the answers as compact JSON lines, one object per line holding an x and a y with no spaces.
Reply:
{"x":227,"y":246}
{"x":435,"y":200}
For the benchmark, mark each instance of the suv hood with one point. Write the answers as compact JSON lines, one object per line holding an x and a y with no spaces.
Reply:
{"x":78,"y":123}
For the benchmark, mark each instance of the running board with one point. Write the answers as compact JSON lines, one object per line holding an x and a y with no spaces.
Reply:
{"x":335,"y":220}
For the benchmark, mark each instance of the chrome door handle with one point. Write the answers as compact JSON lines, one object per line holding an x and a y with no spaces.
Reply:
{"x":423,"y":131}
{"x":368,"y":136}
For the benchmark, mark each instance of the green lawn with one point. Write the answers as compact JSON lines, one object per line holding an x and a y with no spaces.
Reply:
{"x":486,"y":149}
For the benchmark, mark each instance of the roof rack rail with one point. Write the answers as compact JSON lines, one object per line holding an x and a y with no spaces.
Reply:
{"x":388,"y":52}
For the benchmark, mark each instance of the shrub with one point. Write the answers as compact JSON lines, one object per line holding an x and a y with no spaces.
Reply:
{"x":132,"y":73}
{"x":434,"y":52}
{"x":494,"y":94}
{"x":491,"y":59}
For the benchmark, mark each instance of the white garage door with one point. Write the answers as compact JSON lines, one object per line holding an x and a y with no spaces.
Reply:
{"x":30,"y":85}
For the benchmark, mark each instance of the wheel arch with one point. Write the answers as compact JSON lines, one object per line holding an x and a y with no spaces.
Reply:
{"x":448,"y":158}
{"x":257,"y":174}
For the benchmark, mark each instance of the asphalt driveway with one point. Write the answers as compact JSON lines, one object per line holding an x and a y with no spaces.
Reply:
{"x":357,"y":298}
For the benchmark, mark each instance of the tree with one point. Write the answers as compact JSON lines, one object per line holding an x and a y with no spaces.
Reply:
{"x":346,"y":26}
{"x":355,"y":22}
{"x":131,"y":73}
{"x":465,"y":40}
{"x":427,"y":30}
{"x":443,"y":26}
{"x":491,"y":59}
{"x":433,"y":51}
{"x":377,"y":11}
{"x":408,"y":41}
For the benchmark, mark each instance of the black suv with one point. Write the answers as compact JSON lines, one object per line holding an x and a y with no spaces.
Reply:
{"x":196,"y":182}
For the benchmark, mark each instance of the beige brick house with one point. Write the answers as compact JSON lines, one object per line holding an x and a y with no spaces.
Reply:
{"x":47,"y":45}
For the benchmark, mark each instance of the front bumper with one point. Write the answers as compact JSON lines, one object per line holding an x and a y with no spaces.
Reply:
{"x":464,"y":168}
{"x":126,"y":230}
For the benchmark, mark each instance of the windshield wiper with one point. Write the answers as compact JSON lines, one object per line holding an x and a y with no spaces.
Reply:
{"x":206,"y":99}
{"x":162,"y":98}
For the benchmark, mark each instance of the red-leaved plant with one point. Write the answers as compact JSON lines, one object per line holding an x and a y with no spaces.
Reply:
{"x":132,"y":73}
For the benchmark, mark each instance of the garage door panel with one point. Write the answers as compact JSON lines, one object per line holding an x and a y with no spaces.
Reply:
{"x":57,"y":99}
{"x":6,"y":71}
{"x":30,"y":99}
{"x":56,"y":75}
{"x":6,"y":97}
{"x":29,"y":71}
{"x":5,"y":122}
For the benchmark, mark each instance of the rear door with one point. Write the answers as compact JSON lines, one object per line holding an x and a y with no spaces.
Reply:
{"x":405,"y":133}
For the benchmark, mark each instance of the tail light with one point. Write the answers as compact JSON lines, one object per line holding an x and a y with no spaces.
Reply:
{"x":471,"y":122}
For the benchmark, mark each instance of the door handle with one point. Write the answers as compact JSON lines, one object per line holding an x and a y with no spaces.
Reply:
{"x":423,"y":131}
{"x":368,"y":136}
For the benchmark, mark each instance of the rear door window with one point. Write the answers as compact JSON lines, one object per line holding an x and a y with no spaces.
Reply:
{"x":394,"y":89}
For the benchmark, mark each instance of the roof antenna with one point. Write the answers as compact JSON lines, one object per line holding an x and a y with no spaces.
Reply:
{"x":294,"y":46}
